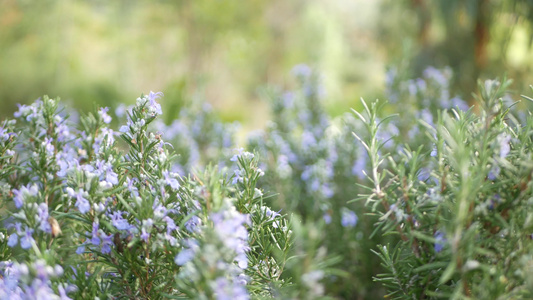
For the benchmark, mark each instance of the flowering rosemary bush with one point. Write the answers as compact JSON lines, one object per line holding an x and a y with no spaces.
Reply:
{"x":464,"y":227}
{"x":440,"y":195}
{"x":86,"y":218}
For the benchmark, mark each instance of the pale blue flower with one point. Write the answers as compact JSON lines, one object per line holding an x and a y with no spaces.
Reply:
{"x":13,"y":240}
{"x":237,"y":177}
{"x":42,"y":218}
{"x":124,"y":128}
{"x":49,"y":148}
{"x":184,"y":256}
{"x":95,"y":239}
{"x":81,"y":249}
{"x":348,"y":218}
{"x":191,"y":246}
{"x":494,"y":172}
{"x":440,"y":240}
{"x":229,"y":226}
{"x":227,"y":290}
{"x":308,"y":140}
{"x":171,"y":180}
{"x":241,"y":153}
{"x":23,"y":193}
{"x":171,"y":225}
{"x":153,"y":106}
{"x":193,"y":224}
{"x":107,"y":241}
{"x":505,"y":147}
{"x":26,"y":239}
{"x":103,"y":114}
{"x":119,"y":222}
{"x":82,"y":203}
{"x":146,"y":229}
{"x":459,"y":103}
{"x":302,"y":71}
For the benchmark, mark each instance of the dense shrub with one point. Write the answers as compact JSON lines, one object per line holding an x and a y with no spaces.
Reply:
{"x":440,"y":195}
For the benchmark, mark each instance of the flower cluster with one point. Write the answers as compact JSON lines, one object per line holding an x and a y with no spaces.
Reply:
{"x":199,"y":137}
{"x":302,"y":150}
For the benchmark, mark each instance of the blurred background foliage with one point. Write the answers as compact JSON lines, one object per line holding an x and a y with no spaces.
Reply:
{"x":108,"y":52}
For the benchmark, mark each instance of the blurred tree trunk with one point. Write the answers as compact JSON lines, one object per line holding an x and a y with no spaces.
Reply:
{"x":424,"y":17}
{"x":482,"y":35}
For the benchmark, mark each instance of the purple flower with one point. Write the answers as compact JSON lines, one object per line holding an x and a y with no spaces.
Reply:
{"x":105,"y":171}
{"x":63,"y":293}
{"x":103,"y":114}
{"x":95,"y":239}
{"x":227,"y":290}
{"x":426,"y":116}
{"x":237,"y":177}
{"x":131,"y":187}
{"x":270,"y":213}
{"x":359,"y":166}
{"x":459,"y":103}
{"x":434,"y":151}
{"x":42,"y":217}
{"x":494,"y":172}
{"x":441,"y":77}
{"x":146,"y":229}
{"x":82,"y":203}
{"x":4,"y":134}
{"x":27,"y":239}
{"x":424,"y":174}
{"x":13,"y":240}
{"x":124,"y":128}
{"x":302,"y":71}
{"x":120,"y":111}
{"x":171,"y":180}
{"x":153,"y":106}
{"x":67,"y":160}
{"x":81,"y":249}
{"x":308,"y":140}
{"x":159,"y":210}
{"x":63,"y":132}
{"x":505,"y":147}
{"x":145,"y":235}
{"x":23,"y":193}
{"x":171,"y":226}
{"x":48,"y":146}
{"x":440,"y":240}
{"x":327,"y":218}
{"x":11,"y":273}
{"x":184,"y":256}
{"x":348,"y":218}
{"x":187,"y":254}
{"x":107,"y":241}
{"x":229,"y":226}
{"x":412,"y":87}
{"x":27,"y":111}
{"x":244,"y":154}
{"x":193,"y":224}
{"x":119,"y":222}
{"x":387,"y":132}
{"x":327,"y":191}
{"x":106,"y":135}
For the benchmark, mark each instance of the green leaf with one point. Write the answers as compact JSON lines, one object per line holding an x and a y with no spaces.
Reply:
{"x":448,"y":273}
{"x":431,"y":266}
